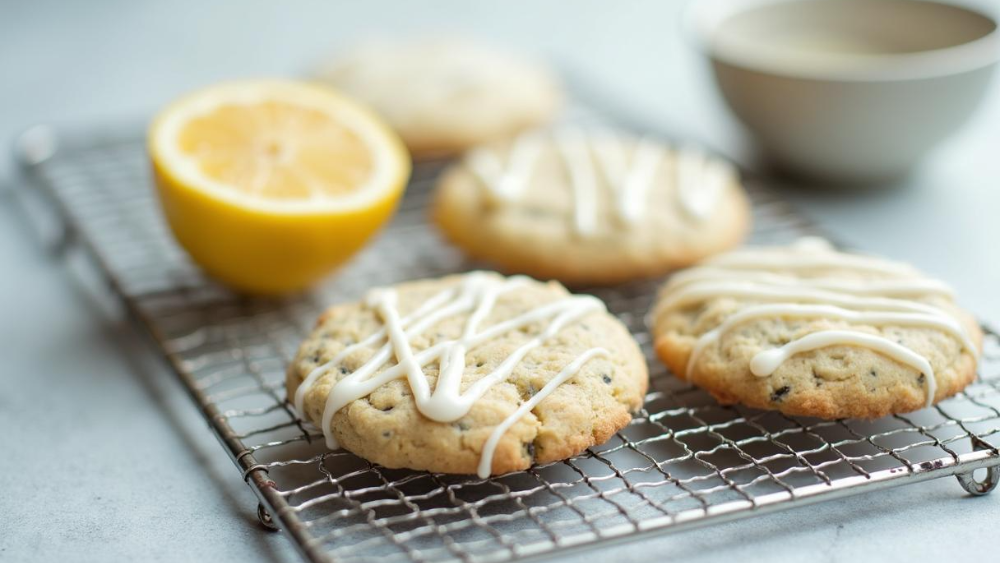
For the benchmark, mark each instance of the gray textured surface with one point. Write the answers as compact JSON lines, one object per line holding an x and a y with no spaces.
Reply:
{"x":105,"y":458}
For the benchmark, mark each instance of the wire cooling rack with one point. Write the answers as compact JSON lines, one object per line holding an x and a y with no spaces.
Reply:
{"x":684,"y":460}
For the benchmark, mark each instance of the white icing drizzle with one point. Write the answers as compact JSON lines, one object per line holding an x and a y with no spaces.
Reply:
{"x":610,"y":152}
{"x":779,"y":293}
{"x":888,"y":288}
{"x":476,"y":295}
{"x":508,"y":182}
{"x":818,"y":256}
{"x":575,"y":150}
{"x":789,"y":310}
{"x":486,"y":461}
{"x":871,"y":302}
{"x":764,"y":363}
{"x":630,"y":183}
{"x":699,"y":183}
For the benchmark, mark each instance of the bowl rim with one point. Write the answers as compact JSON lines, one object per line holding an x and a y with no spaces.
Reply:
{"x":702,"y":18}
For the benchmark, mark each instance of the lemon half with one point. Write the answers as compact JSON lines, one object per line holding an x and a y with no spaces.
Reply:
{"x":269,"y":185}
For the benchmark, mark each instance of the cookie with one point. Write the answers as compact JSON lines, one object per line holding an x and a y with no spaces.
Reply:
{"x":590,"y":206}
{"x":474,"y":373}
{"x":808,"y":330}
{"x":445,"y":95}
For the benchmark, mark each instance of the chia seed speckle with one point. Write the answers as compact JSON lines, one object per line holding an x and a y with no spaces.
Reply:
{"x":780,"y":393}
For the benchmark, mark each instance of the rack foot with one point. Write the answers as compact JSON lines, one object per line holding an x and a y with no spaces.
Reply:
{"x":264,"y":517}
{"x":975,"y":486}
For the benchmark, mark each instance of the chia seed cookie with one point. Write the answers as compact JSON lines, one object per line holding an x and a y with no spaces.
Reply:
{"x":590,"y":206}
{"x":474,"y":373}
{"x":445,"y":95}
{"x":808,"y":330}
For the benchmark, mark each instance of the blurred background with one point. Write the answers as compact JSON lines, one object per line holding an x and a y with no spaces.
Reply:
{"x":126,"y":470}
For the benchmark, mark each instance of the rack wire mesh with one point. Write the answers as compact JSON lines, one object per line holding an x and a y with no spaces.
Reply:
{"x":684,"y":460}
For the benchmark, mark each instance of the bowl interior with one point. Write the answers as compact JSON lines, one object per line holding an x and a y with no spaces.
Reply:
{"x":871,"y":37}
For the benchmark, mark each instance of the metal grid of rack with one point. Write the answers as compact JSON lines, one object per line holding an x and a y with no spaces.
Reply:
{"x":684,"y":460}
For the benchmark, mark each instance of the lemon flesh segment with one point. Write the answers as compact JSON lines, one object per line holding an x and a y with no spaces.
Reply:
{"x":269,"y":186}
{"x":276,"y":150}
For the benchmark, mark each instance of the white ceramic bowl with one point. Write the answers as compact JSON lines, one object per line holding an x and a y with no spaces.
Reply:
{"x":848,"y":90}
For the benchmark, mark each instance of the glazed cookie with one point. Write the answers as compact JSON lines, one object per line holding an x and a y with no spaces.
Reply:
{"x":808,"y":330}
{"x":445,"y":95}
{"x":590,"y":206}
{"x":473,"y":373}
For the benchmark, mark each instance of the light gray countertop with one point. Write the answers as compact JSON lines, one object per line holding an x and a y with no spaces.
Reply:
{"x":105,"y":459}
